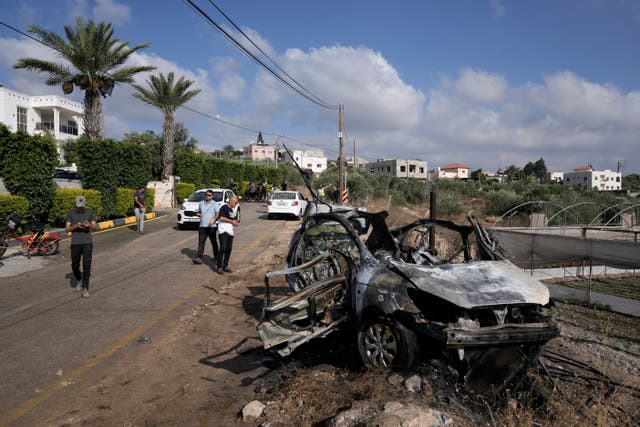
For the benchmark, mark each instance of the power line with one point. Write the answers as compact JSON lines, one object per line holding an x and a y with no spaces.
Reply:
{"x":266,"y":55}
{"x":183,"y":106}
{"x":239,"y":45}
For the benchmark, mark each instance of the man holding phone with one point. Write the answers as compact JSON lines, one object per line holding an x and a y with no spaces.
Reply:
{"x":81,"y":222}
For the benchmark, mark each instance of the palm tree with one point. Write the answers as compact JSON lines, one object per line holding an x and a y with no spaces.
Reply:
{"x":167,"y":96}
{"x":97,"y":65}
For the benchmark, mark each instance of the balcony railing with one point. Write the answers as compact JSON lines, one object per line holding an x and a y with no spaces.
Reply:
{"x":73,"y":130}
{"x":44,"y":125}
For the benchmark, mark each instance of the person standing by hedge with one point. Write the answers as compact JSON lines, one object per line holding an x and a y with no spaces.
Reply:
{"x":226,"y":221}
{"x":81,"y":221}
{"x":140,"y":207}
{"x":207,"y":211}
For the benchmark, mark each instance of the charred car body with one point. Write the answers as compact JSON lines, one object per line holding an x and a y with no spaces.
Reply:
{"x":402,"y":293}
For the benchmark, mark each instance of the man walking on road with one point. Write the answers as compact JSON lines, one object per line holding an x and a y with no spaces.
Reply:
{"x":227,"y":220}
{"x":207,"y":229}
{"x":81,"y":221}
{"x":139,"y":207}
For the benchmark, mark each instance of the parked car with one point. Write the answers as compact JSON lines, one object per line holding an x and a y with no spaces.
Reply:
{"x":188,"y":212}
{"x":290,"y":203}
{"x":429,"y":287}
{"x":65,"y":174}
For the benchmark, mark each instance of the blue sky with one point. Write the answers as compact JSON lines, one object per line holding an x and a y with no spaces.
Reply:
{"x":488,"y":83}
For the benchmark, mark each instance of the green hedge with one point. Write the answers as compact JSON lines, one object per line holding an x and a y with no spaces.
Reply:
{"x":204,"y":170}
{"x":124,"y":201}
{"x":8,"y":204}
{"x":184,"y":190}
{"x":64,"y":200}
{"x":26,"y":167}
{"x":107,"y":165}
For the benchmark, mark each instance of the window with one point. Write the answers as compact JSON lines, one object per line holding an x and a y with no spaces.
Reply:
{"x":318,"y":165}
{"x":421,"y":170}
{"x":309,"y":165}
{"x":403,"y":168}
{"x":21,"y":120}
{"x":412,"y":168}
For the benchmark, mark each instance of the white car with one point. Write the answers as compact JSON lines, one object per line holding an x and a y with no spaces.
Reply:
{"x":188,"y":213}
{"x":286,"y":203}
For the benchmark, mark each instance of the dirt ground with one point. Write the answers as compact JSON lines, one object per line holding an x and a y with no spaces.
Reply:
{"x":211,"y":364}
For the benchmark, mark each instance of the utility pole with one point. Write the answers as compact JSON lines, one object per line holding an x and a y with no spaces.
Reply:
{"x":340,"y":159}
{"x":355,"y":161}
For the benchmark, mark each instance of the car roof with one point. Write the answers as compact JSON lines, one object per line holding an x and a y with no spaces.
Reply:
{"x":213,"y":189}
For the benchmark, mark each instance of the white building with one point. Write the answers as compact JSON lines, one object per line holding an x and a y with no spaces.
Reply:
{"x":588,"y":178}
{"x":451,"y":171}
{"x":358,"y":163}
{"x":314,"y":160}
{"x":56,"y":115}
{"x":557,"y":177}
{"x":399,"y":168}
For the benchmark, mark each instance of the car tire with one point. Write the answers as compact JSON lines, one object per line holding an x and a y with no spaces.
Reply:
{"x":269,"y":216}
{"x":3,"y":246}
{"x":385,"y":344}
{"x":238,"y":214}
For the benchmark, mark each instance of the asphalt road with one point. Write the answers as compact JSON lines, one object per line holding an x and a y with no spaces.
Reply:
{"x":50,"y":337}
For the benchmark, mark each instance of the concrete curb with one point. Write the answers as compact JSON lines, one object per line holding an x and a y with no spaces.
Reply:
{"x":104,"y":225}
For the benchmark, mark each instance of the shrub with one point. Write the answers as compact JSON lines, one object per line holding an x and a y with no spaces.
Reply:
{"x":26,"y":166}
{"x":9,"y":204}
{"x":448,"y":203}
{"x":499,"y":202}
{"x":184,"y":190}
{"x":124,"y":202}
{"x":106,"y":165}
{"x":150,"y":199}
{"x":64,"y":200}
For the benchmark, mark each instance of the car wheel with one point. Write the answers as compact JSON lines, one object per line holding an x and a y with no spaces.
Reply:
{"x":384,"y":343}
{"x":238,"y":214}
{"x":269,"y":216}
{"x":3,"y":246}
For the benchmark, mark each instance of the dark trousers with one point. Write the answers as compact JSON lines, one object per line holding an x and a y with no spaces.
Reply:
{"x":85,"y":252}
{"x":226,"y":244}
{"x":203,"y":234}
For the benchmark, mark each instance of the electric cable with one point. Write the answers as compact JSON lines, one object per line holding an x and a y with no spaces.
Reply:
{"x":229,"y":37}
{"x":266,"y":55}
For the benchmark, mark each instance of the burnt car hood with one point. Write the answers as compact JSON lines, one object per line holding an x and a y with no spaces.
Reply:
{"x":477,"y":284}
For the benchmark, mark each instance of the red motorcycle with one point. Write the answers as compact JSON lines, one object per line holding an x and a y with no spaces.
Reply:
{"x":39,"y":242}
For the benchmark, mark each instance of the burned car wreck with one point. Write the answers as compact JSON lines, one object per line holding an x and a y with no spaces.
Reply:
{"x":404,"y":291}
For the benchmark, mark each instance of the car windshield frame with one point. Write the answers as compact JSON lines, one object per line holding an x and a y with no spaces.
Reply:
{"x":198,"y":196}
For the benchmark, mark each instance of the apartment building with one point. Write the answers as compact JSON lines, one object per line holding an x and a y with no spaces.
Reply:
{"x":591,"y":179}
{"x":399,"y":168}
{"x":55,"y":115}
{"x":309,"y":159}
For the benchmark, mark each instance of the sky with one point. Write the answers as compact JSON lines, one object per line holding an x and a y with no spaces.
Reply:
{"x":486,"y":83}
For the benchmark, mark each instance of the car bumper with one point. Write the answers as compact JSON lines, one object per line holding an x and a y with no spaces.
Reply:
{"x":187,"y":219}
{"x":501,"y":335}
{"x":282,"y":211}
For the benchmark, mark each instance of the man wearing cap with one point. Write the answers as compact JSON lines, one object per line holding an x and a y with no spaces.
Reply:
{"x":80,"y":223}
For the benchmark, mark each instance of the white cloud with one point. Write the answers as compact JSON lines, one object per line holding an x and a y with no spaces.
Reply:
{"x":481,"y":86}
{"x":111,"y":11}
{"x":497,"y":7}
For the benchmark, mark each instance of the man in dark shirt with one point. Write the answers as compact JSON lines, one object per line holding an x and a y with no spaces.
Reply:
{"x":226,"y":221}
{"x":139,"y":207}
{"x":81,"y":222}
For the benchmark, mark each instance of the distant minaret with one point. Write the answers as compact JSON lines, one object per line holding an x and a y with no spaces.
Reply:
{"x":260,"y":140}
